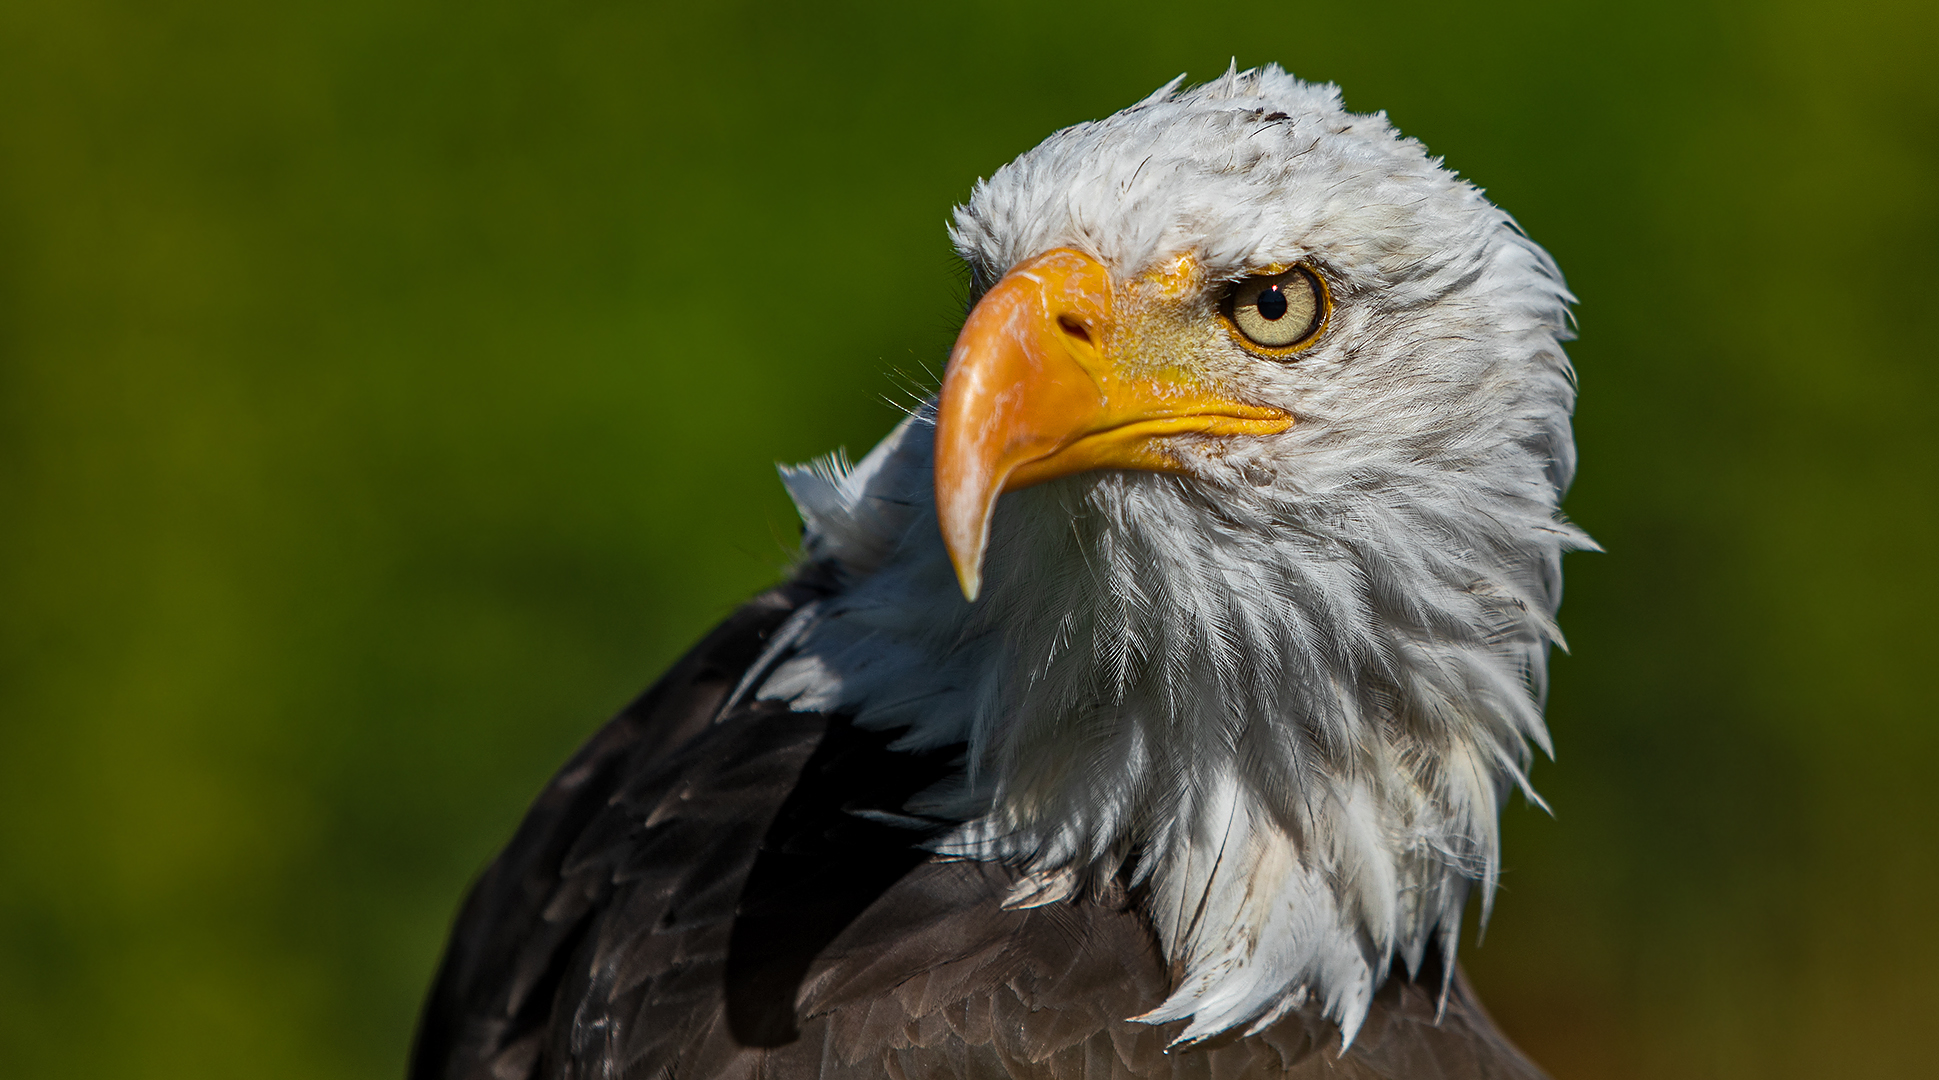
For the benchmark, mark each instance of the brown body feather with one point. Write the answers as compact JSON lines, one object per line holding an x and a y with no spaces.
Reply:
{"x":695,"y":895}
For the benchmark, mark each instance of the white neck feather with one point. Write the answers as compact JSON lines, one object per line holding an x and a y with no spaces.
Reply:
{"x":1292,"y":716}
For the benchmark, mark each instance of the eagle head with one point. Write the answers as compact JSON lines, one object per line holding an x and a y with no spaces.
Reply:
{"x":1230,"y":548}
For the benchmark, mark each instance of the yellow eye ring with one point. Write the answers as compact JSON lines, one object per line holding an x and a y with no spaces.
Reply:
{"x":1278,"y":312}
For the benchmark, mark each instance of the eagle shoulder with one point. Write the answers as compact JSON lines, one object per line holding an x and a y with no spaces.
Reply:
{"x":702,"y":894}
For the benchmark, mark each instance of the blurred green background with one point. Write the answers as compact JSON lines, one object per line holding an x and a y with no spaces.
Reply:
{"x":388,"y":391}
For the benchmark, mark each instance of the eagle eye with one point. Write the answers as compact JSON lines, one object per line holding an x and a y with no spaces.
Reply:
{"x":1278,"y":311}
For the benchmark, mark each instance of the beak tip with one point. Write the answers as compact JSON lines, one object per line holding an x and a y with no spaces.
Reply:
{"x":963,"y":512}
{"x":969,"y":575}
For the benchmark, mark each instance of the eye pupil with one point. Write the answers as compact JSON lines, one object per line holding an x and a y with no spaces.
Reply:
{"x":1272,"y":303}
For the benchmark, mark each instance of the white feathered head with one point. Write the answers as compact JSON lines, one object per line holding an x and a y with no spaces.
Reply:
{"x":1249,"y":456}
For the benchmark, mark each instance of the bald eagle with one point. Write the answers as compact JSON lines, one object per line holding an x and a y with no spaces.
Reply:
{"x":1143,"y":705}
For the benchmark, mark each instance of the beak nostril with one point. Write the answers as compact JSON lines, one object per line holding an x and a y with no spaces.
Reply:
{"x":1071,"y":325}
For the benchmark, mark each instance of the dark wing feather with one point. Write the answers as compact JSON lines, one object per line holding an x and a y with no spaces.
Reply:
{"x":695,"y":896}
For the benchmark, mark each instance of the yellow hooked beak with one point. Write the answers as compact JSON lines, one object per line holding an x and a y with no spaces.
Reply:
{"x":1035,"y":391}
